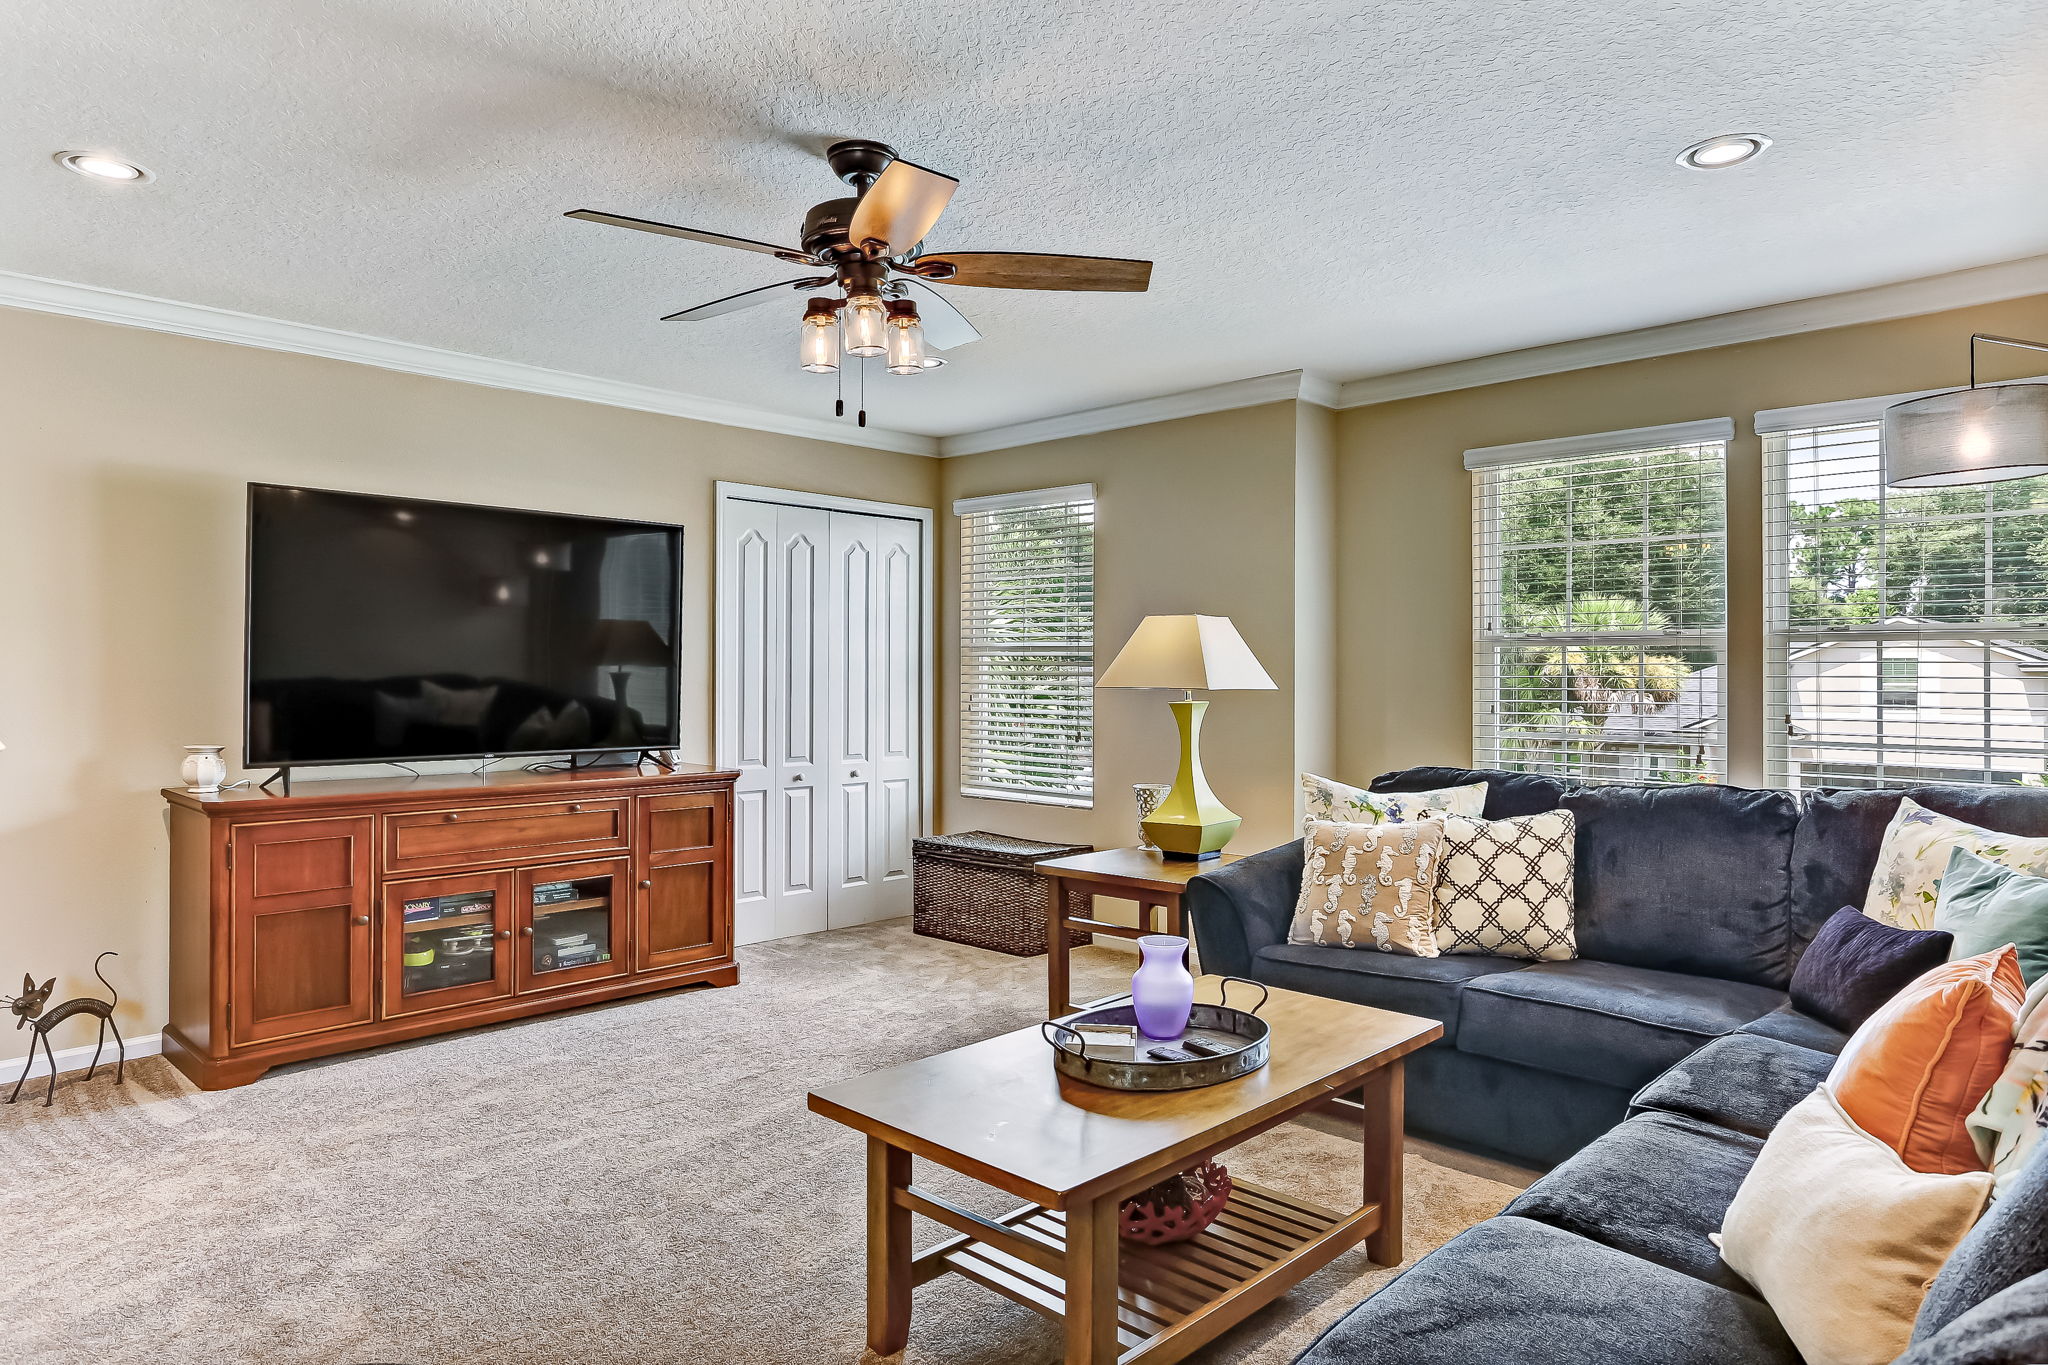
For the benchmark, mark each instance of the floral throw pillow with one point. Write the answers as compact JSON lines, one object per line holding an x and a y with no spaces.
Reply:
{"x":1324,"y":799}
{"x":1505,"y":886}
{"x":2007,"y":1125}
{"x":1914,"y":857}
{"x":1369,"y":886}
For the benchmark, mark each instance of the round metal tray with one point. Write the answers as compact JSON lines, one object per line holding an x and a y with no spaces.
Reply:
{"x":1242,"y":1031}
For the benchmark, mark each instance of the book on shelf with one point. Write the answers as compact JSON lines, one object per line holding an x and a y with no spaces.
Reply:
{"x":430,"y":908}
{"x":554,"y":893}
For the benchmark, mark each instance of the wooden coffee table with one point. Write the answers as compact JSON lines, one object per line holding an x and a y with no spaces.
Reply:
{"x":997,"y":1111}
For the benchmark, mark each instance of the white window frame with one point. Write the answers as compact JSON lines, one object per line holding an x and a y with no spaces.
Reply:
{"x":1079,"y":792}
{"x":1785,"y":641}
{"x":1490,"y":641}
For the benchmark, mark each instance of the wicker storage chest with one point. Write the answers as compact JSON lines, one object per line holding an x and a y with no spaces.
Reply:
{"x":983,"y":889}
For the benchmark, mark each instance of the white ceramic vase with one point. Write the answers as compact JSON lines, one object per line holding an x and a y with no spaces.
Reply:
{"x":1149,"y":795}
{"x":204,"y":768}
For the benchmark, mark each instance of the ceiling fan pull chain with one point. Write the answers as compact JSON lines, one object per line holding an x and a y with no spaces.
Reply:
{"x":839,"y":392}
{"x":863,"y":391}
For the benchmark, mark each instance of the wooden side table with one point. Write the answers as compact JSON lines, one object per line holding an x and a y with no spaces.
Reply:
{"x":1151,"y":879}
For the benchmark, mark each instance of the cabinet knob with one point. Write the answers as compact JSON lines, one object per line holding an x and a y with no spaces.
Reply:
{"x":575,"y":810}
{"x":362,"y":919}
{"x":504,"y":933}
{"x":449,"y":817}
{"x":526,"y":931}
{"x":647,"y":886}
{"x":854,"y":776}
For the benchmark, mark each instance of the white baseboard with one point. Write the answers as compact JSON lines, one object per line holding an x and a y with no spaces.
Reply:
{"x":78,"y":1058}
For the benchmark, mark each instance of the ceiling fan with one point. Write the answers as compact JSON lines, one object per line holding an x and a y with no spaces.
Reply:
{"x":872,"y":250}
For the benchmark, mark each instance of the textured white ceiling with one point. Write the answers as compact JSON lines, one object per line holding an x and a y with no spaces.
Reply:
{"x":1349,"y":189}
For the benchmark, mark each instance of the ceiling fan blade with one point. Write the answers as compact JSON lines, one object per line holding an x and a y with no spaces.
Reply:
{"x":944,"y":325}
{"x":1036,"y":270}
{"x":746,"y":298}
{"x":787,"y":253}
{"x":900,"y":207}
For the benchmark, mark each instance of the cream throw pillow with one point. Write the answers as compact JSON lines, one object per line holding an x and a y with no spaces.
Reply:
{"x":1369,"y":886}
{"x":1841,"y":1237}
{"x":1914,"y":857}
{"x":1506,"y":887}
{"x":1324,"y":799}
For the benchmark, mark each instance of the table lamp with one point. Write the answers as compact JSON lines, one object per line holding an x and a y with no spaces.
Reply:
{"x":1192,"y":653}
{"x":628,"y":641}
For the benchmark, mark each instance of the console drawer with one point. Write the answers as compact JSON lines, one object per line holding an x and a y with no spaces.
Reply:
{"x":499,"y":834}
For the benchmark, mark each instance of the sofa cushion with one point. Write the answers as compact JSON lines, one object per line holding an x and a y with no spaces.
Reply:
{"x":1513,"y":1289}
{"x":2008,"y":1245}
{"x":1600,"y":1020}
{"x":1428,"y":986}
{"x":1856,"y":963}
{"x":2009,"y":1327}
{"x":1692,"y":878}
{"x":1741,"y":1082}
{"x":1507,"y":794}
{"x":1841,"y":831}
{"x":1653,"y":1187}
{"x":1788,"y":1024}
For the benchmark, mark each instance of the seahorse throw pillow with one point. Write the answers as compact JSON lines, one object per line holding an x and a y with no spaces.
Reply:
{"x":1914,"y":858}
{"x":1324,"y":799}
{"x":1369,"y":886}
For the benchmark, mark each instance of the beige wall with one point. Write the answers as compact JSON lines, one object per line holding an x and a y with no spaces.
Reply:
{"x":1193,"y":515}
{"x":125,"y":453}
{"x":1405,"y":605}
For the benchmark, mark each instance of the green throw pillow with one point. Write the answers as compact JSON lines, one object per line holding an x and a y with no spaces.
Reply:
{"x":1987,"y":905}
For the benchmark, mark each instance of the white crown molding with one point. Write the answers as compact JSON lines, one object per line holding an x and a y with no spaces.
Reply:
{"x":1881,"y":303}
{"x":1239,"y":393}
{"x":1852,"y":411}
{"x":274,"y":334}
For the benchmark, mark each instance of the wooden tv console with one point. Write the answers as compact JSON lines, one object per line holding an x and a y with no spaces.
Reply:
{"x":358,"y":912}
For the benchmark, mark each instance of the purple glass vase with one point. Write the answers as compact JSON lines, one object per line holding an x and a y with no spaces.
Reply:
{"x":1162,"y":992}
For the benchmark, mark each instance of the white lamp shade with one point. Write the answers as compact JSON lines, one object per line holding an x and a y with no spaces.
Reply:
{"x":1967,"y":436}
{"x":1193,"y":653}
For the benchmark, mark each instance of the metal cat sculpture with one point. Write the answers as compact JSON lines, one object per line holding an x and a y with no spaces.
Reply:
{"x":28,"y":1009}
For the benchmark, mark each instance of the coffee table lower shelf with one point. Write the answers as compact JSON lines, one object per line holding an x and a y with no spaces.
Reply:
{"x":1172,"y":1298}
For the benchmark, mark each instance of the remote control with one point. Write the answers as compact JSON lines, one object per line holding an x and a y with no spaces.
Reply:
{"x":1170,"y":1054}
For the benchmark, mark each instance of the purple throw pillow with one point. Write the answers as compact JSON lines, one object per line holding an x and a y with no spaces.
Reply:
{"x":1856,"y":963}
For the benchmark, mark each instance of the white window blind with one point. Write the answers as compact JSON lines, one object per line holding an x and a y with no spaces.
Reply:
{"x":1027,"y":646}
{"x":1600,"y":606}
{"x":1907,"y":628}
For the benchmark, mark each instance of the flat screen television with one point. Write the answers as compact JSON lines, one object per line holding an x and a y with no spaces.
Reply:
{"x":391,"y":629}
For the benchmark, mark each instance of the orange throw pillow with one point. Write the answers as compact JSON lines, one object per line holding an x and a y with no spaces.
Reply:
{"x":1921,"y":1064}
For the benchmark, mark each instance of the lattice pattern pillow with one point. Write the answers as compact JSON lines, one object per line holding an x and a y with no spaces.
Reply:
{"x":1369,"y":886}
{"x":1324,"y":799}
{"x":1914,"y":858}
{"x":1504,"y":887}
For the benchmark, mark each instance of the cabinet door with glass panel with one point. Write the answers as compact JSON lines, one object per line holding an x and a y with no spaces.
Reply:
{"x":446,"y":941}
{"x":573,"y":923}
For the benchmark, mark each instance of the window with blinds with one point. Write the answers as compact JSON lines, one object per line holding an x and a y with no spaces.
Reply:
{"x":1027,"y":646}
{"x":1600,"y":605}
{"x":1907,"y":628}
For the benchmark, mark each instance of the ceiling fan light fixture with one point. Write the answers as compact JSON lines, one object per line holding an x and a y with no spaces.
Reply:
{"x":818,"y":340}
{"x":1723,"y":150}
{"x":906,"y":338}
{"x":866,"y":325}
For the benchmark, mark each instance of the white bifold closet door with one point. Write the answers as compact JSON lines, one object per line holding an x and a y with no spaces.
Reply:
{"x":821,"y":633}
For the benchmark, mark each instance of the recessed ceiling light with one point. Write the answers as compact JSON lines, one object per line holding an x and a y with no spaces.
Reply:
{"x":1722,"y":151}
{"x":99,"y":167}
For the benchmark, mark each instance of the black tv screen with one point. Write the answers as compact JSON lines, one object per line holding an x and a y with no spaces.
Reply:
{"x":386,"y":629}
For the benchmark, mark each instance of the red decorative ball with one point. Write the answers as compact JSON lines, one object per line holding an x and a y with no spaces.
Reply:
{"x":1176,"y":1208}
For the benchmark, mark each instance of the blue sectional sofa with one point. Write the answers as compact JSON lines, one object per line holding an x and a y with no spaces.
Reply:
{"x":1694,"y":904}
{"x":1652,"y":1069}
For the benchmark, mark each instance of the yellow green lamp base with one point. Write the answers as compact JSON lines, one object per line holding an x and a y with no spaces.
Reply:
{"x":1190,"y":824}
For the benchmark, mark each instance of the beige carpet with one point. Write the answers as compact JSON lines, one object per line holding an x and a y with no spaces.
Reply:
{"x":633,"y":1183}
